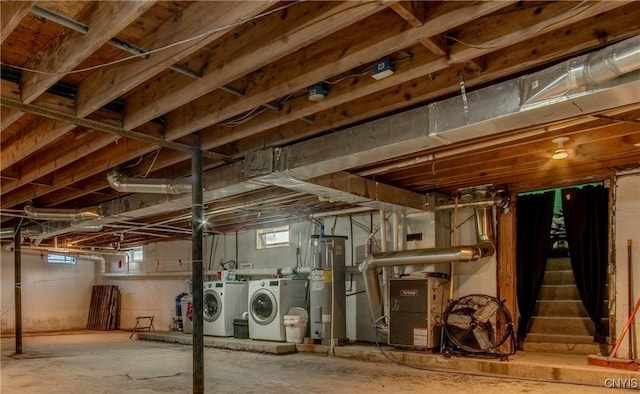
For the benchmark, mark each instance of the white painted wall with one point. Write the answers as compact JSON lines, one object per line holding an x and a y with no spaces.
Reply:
{"x":153,"y":296}
{"x":154,"y":283}
{"x":149,"y":287}
{"x":474,"y":278}
{"x":54,"y":296}
{"x":627,"y":219}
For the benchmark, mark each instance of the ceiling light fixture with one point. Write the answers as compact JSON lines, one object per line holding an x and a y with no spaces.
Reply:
{"x":560,"y":153}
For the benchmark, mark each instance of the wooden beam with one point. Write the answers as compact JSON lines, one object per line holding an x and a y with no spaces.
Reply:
{"x":369,"y":189}
{"x":197,"y":19}
{"x":549,"y":17}
{"x":435,"y":45}
{"x":69,"y":48}
{"x":110,"y":156}
{"x":416,"y":17}
{"x":33,"y":137}
{"x":205,"y":111}
{"x":496,"y":154}
{"x":8,"y":116}
{"x":11,"y":90}
{"x":409,"y":13}
{"x":415,"y":81}
{"x":74,"y":191}
{"x":288,"y":31}
{"x":11,"y":13}
{"x":102,"y":126}
{"x":76,"y":146}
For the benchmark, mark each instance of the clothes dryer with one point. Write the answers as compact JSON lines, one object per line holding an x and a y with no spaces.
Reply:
{"x":269,"y":301}
{"x":223,"y":302}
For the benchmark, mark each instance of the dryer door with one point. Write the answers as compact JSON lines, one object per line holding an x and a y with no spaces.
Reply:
{"x":264,"y":306}
{"x":212,"y":305}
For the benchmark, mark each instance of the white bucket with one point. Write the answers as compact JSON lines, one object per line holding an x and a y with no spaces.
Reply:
{"x":295,"y":324}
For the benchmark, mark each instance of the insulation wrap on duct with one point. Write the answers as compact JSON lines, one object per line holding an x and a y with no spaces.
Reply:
{"x":147,"y":185}
{"x":63,"y":214}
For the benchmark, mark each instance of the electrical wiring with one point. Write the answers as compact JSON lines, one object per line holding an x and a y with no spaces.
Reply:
{"x":463,"y":222}
{"x":252,"y":114}
{"x":245,"y":118}
{"x":140,"y":159}
{"x":152,"y":163}
{"x":367,"y":70}
{"x":239,"y":22}
{"x":555,"y":20}
{"x":345,"y":77}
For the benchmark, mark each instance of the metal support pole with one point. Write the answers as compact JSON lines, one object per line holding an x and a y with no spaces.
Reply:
{"x":197,"y":225}
{"x":17,"y":253}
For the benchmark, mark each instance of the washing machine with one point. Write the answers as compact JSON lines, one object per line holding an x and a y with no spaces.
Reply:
{"x":223,"y":302}
{"x":269,"y":301}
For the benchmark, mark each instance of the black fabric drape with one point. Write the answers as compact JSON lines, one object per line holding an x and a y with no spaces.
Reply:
{"x":586,"y":220}
{"x":535,"y":213}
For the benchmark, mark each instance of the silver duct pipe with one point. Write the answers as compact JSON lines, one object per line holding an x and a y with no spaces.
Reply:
{"x":147,"y":185}
{"x":272,"y":271}
{"x":80,"y":255}
{"x":452,"y":254}
{"x":24,"y":232}
{"x":475,"y":203}
{"x":7,"y":233}
{"x":63,"y":214}
{"x":594,"y":68}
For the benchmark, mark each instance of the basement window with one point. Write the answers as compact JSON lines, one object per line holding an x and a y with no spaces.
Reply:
{"x":137,"y":254}
{"x":53,"y":258}
{"x":272,"y":237}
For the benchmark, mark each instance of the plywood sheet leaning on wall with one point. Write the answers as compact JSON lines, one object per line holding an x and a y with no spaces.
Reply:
{"x":103,"y":310}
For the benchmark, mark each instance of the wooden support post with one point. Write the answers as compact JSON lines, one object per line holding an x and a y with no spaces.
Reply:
{"x":506,"y":260}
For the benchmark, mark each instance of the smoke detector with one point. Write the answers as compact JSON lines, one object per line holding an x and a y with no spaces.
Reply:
{"x":317,"y":93}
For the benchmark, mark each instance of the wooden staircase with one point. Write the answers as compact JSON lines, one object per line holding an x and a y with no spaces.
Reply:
{"x":560,"y":323}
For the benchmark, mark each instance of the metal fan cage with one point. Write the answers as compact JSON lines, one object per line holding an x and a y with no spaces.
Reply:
{"x":477,"y":323}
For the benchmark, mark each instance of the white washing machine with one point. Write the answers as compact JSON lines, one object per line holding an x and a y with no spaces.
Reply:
{"x":269,"y":301}
{"x":223,"y":302}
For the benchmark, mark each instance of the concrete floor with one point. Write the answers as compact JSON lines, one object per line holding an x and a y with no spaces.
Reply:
{"x":113,"y":363}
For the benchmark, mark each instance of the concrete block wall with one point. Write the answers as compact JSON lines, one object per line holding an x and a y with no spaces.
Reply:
{"x":153,"y":296}
{"x":54,"y":296}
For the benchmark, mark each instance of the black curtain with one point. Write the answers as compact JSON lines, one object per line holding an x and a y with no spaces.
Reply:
{"x":534,"y":216}
{"x":586,"y":220}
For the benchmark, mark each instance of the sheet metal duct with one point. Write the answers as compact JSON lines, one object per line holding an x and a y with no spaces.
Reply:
{"x":147,"y":185}
{"x":453,"y":254}
{"x":271,"y":271}
{"x":350,"y":189}
{"x":591,"y":69}
{"x":485,"y":112}
{"x":24,"y":232}
{"x":63,"y":214}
